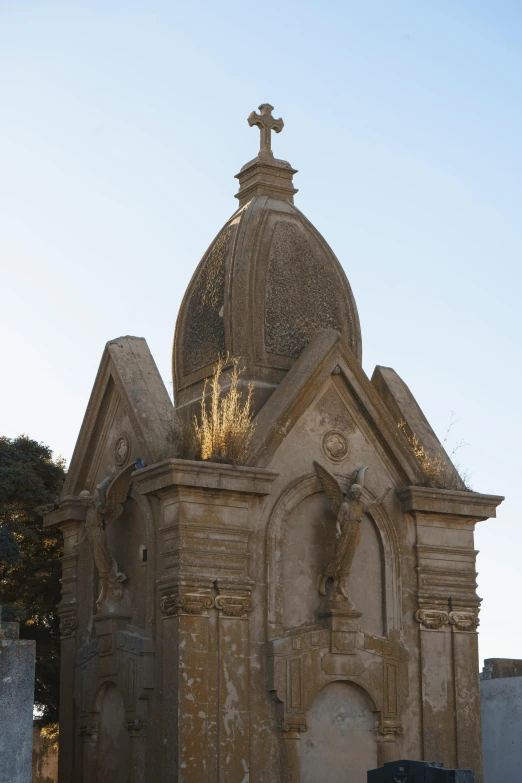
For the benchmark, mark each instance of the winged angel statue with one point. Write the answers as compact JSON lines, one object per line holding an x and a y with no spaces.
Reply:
{"x":105,"y":505}
{"x":349,"y":508}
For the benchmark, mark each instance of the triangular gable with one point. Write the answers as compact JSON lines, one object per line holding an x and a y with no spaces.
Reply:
{"x":127,"y":378}
{"x":329,"y":353}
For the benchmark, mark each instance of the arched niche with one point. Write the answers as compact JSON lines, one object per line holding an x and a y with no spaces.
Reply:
{"x":294,"y":563}
{"x":340,"y":743}
{"x":114,"y":744}
{"x":128,"y":537}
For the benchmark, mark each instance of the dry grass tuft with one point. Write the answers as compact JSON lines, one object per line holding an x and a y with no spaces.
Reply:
{"x":226,"y":428}
{"x":437,"y":468}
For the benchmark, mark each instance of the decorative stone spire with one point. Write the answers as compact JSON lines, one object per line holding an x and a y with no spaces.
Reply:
{"x":267,"y":284}
{"x":266,"y":175}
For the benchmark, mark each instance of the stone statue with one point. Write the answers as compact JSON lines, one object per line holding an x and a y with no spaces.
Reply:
{"x":104,"y":506}
{"x":349,"y":508}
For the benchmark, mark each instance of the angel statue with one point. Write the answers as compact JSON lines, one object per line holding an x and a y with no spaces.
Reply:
{"x":349,"y":508}
{"x":104,"y":506}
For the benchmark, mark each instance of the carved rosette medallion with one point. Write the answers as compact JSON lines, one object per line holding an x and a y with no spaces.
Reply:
{"x":122,"y":450}
{"x":234,"y":605}
{"x":186,"y":603}
{"x":334,"y":445}
{"x":464,"y":621}
{"x":432,"y":619}
{"x":68,"y":624}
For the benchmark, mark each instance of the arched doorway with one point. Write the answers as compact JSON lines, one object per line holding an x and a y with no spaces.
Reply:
{"x":340,"y":744}
{"x":113,"y":738}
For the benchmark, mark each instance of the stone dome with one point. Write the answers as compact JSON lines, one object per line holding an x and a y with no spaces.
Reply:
{"x":265,"y":286}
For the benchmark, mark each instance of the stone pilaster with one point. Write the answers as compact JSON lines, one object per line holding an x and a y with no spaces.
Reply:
{"x":204,"y":587}
{"x":138,"y":736}
{"x":467,"y":689}
{"x":68,"y":518}
{"x":289,"y":756}
{"x":233,"y":605}
{"x":186,"y":682}
{"x":89,"y":754}
{"x":447,"y":618}
{"x":386,"y":749}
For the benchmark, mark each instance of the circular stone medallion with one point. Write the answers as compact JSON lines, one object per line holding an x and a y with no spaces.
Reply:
{"x":121,"y":450}
{"x":335,"y":445}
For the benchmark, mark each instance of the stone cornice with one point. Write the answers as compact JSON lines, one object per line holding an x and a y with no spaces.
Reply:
{"x":72,"y":509}
{"x":446,"y":501}
{"x":204,"y":475}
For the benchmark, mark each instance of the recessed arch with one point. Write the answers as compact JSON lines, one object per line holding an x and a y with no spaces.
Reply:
{"x":297,"y":491}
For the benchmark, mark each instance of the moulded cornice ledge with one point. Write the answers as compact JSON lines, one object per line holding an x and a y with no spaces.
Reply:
{"x":71,"y":510}
{"x":449,"y":501}
{"x":205,"y":475}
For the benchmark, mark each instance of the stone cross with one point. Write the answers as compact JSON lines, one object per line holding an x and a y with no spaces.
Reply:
{"x":266,"y":123}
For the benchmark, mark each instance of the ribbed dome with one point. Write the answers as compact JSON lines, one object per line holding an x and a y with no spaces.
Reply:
{"x":265,"y":286}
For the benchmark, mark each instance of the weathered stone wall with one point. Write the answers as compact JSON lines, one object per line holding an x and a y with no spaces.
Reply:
{"x":501,"y":701}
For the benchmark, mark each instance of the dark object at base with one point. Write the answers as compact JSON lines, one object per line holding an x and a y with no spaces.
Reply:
{"x":418,"y":772}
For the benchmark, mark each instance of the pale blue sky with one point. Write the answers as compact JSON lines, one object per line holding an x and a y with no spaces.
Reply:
{"x":122,"y":125}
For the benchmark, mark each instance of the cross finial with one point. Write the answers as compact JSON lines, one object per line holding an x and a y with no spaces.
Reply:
{"x":266,"y":124}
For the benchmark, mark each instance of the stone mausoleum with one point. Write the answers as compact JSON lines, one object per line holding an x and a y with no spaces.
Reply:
{"x":306,"y":616}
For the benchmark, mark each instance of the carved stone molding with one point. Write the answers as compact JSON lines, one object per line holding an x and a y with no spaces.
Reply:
{"x":196,"y":603}
{"x":136,"y":728}
{"x":234,"y":605}
{"x":464,"y":621}
{"x":432,"y":619}
{"x":300,"y":664}
{"x":289,"y":725}
{"x":387,"y":727}
{"x":89,"y":732}
{"x":186,"y":603}
{"x":68,"y":623}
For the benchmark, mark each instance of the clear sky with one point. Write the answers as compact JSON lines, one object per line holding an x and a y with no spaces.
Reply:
{"x":122,"y":125}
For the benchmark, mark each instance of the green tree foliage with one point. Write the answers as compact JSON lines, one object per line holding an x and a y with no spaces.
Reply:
{"x":30,"y":557}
